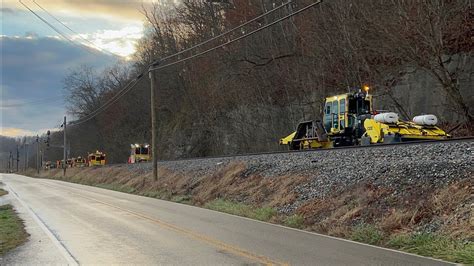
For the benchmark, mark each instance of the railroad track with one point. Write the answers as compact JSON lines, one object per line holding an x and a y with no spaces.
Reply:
{"x":380,"y":145}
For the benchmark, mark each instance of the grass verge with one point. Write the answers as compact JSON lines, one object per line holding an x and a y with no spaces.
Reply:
{"x":12,"y":231}
{"x":436,"y":246}
{"x":368,"y":234}
{"x":3,"y":192}
{"x":262,"y":214}
{"x":295,"y":221}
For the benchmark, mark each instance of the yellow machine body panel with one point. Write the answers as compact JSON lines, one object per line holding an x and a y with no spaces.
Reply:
{"x":308,"y":135}
{"x":404,"y":130}
{"x":96,"y":159}
{"x":315,"y":144}
{"x":286,"y":140}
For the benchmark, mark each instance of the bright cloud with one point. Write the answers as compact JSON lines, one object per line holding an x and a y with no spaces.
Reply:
{"x":120,"y":42}
{"x":128,"y":9}
{"x":15,"y":132}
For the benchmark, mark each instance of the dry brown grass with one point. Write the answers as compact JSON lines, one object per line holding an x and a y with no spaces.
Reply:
{"x":396,"y":220}
{"x":447,"y":199}
{"x":335,"y":215}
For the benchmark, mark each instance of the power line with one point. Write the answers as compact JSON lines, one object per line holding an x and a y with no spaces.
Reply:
{"x":73,"y":31}
{"x":57,"y":30}
{"x":238,"y":38}
{"x":110,"y":102}
{"x":126,"y":89}
{"x":46,"y":22}
{"x":227,"y":32}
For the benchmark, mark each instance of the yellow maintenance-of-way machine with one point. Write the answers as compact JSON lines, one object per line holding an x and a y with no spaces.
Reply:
{"x":96,"y":159}
{"x":139,"y":153}
{"x":349,"y":119}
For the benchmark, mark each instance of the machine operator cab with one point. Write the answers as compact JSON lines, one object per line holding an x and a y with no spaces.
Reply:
{"x":96,"y":158}
{"x":344,"y":116}
{"x":139,"y":153}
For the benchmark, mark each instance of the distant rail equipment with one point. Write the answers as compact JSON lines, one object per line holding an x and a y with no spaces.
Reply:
{"x":96,"y":158}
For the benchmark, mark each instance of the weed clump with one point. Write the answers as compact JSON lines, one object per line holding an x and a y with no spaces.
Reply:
{"x":438,"y":246}
{"x":240,"y":209}
{"x":295,"y":221}
{"x":367,"y":233}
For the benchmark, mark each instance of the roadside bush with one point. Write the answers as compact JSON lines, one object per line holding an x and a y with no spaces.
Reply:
{"x":295,"y":221}
{"x":367,"y":233}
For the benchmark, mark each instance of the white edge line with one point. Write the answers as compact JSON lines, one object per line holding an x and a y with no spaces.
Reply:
{"x":64,"y":252}
{"x":249,"y":219}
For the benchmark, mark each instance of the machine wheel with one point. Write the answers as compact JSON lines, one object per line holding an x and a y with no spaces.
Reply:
{"x":365,"y":141}
{"x":387,"y":139}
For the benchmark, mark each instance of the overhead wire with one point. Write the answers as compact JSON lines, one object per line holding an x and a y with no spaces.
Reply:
{"x":156,"y":63}
{"x":130,"y":85}
{"x":228,"y":31}
{"x":73,"y":31}
{"x":62,"y":34}
{"x":238,"y":38}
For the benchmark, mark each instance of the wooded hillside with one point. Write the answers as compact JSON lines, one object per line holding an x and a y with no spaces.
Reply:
{"x":415,"y":55}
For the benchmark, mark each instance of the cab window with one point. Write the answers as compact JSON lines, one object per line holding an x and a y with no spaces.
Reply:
{"x":334,"y":107}
{"x":342,"y":106}
{"x":328,"y":108}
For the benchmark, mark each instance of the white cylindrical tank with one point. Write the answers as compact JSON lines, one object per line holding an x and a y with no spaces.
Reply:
{"x":425,"y":120}
{"x":388,"y":118}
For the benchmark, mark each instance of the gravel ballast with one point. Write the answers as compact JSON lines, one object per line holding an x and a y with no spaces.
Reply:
{"x":397,"y":167}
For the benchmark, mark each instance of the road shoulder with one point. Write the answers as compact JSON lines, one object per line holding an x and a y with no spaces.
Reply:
{"x":39,"y":249}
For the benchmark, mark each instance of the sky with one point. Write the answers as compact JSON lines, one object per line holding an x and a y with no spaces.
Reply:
{"x":35,"y":58}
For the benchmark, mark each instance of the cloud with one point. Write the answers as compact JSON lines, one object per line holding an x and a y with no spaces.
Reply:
{"x":5,"y":10}
{"x":32,"y":70}
{"x":125,"y":9}
{"x":120,"y":42}
{"x":15,"y":132}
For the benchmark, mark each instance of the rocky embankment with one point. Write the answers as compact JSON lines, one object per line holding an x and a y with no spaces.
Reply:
{"x":403,"y":188}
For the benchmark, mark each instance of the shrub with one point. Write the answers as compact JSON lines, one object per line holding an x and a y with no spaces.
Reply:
{"x":295,"y":221}
{"x":367,"y":233}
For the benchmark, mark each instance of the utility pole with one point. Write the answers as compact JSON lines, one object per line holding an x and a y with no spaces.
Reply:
{"x":65,"y":148}
{"x":10,"y":162}
{"x":26,"y":156}
{"x":154,"y":154}
{"x":17,"y":157}
{"x":37,"y":154}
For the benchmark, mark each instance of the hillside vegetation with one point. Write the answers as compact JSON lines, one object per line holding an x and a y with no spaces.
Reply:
{"x":416,"y":57}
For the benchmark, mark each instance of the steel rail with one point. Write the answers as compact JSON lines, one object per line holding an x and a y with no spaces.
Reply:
{"x":379,"y":145}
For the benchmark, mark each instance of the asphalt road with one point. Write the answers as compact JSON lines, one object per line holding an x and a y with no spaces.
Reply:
{"x":96,"y":226}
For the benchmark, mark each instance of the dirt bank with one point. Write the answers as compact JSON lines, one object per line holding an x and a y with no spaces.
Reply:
{"x":375,"y":195}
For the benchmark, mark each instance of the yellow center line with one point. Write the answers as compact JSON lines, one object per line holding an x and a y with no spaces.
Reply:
{"x":211,"y":241}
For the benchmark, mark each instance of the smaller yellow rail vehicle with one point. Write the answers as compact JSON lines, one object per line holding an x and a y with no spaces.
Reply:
{"x":96,"y":159}
{"x":349,"y":119}
{"x":139,"y":153}
{"x":80,"y":162}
